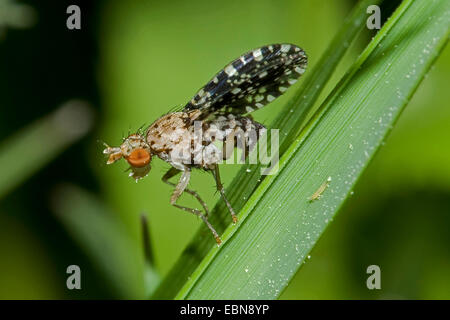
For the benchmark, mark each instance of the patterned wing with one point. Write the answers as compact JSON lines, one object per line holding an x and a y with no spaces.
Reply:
{"x":251,"y":81}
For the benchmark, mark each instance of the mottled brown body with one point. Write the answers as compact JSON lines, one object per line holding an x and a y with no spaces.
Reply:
{"x":172,"y":139}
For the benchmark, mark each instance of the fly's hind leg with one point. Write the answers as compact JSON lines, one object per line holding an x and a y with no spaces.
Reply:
{"x":220,"y":188}
{"x":179,"y":189}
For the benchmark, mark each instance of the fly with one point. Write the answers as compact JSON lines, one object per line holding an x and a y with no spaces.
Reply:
{"x":221,"y":111}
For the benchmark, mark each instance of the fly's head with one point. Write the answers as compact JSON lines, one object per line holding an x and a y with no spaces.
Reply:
{"x":135,"y":151}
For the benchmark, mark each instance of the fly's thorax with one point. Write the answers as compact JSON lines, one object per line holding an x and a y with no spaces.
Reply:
{"x":171,"y":130}
{"x":178,"y":138}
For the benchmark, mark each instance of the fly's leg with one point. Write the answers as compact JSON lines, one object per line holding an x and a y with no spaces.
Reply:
{"x":172,"y":172}
{"x":179,"y":188}
{"x":220,"y":188}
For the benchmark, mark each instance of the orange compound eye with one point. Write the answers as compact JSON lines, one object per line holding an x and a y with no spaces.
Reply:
{"x":139,"y":158}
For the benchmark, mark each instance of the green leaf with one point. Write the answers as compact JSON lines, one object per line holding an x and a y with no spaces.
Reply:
{"x":278,"y":224}
{"x":26,"y":152}
{"x":249,"y":177}
{"x":261,"y":255}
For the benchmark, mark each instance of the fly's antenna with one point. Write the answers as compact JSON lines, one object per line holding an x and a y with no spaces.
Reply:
{"x":103,"y":143}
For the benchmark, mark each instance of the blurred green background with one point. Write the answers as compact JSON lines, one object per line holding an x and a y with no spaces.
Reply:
{"x":64,"y":91}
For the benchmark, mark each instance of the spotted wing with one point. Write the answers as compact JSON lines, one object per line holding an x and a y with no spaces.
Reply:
{"x":251,"y":81}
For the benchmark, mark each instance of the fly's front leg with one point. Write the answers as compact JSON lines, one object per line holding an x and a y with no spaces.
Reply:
{"x":179,"y":188}
{"x":172,"y":172}
{"x":220,"y":188}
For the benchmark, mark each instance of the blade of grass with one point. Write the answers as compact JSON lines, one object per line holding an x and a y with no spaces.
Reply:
{"x":260,"y":256}
{"x":33,"y":147}
{"x":152,"y":277}
{"x":246,"y":181}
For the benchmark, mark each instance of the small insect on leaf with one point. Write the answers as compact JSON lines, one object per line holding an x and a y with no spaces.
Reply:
{"x":316,"y":195}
